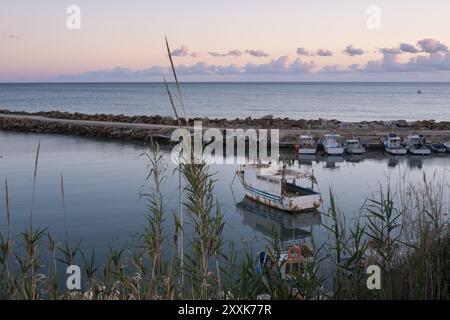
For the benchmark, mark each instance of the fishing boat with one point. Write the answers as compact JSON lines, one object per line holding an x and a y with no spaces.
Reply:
{"x":393,"y":145}
{"x":415,"y":144}
{"x":279,"y":188}
{"x":307,"y":145}
{"x":331,"y":145}
{"x":438,"y":147}
{"x":353,"y":146}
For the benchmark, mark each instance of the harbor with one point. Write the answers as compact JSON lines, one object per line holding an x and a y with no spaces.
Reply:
{"x":371,"y":135}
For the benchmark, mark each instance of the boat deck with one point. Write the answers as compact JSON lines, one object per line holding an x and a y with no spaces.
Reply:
{"x":293,"y":190}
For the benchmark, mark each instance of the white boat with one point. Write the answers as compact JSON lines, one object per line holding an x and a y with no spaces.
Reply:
{"x":278,"y":188}
{"x":307,"y":145}
{"x":415,"y":144}
{"x":331,"y":144}
{"x":393,"y":145}
{"x":353,"y":146}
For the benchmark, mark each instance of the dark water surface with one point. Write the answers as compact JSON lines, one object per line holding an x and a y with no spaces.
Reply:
{"x":103,"y":179}
{"x":343,"y":101}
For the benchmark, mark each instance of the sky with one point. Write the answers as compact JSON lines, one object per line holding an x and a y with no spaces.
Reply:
{"x":251,"y":40}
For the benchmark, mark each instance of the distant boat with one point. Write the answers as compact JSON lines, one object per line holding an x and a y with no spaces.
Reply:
{"x":331,"y":145}
{"x":353,"y":146}
{"x":419,"y":91}
{"x":439,"y":148}
{"x":307,"y":145}
{"x":415,"y":144}
{"x":393,"y":145}
{"x":447,"y":145}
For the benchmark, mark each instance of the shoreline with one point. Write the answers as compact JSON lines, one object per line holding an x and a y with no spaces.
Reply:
{"x":143,"y":128}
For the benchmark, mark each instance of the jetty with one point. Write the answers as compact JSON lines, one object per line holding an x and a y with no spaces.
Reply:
{"x":144,"y":128}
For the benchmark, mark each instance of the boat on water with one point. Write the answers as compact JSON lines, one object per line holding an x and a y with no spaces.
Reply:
{"x":353,"y":146}
{"x":438,"y":147}
{"x":393,"y":145}
{"x":306,"y":145}
{"x":291,"y":262}
{"x":331,"y":144}
{"x":415,"y":144}
{"x":447,"y":145}
{"x":279,"y":187}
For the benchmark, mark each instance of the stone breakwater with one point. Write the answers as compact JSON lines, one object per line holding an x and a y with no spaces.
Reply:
{"x":142,"y":128}
{"x":265,"y":122}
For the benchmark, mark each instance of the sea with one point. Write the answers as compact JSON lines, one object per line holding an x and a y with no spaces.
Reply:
{"x":341,"y":101}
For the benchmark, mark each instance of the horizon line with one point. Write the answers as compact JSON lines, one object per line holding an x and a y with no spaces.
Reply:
{"x":211,"y":82}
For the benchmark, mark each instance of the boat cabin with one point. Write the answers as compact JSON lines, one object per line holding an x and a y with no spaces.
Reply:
{"x":331,"y":140}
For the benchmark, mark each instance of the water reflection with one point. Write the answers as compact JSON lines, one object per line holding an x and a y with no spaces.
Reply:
{"x":415,"y":162}
{"x":103,"y":179}
{"x":333,"y":162}
{"x":287,"y":226}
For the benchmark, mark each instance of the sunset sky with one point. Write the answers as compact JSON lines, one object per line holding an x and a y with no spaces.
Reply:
{"x":251,"y":40}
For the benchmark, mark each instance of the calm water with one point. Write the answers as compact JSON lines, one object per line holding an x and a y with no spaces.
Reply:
{"x":103,"y":180}
{"x":343,"y":101}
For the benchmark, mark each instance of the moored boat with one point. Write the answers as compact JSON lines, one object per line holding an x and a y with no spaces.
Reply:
{"x":415,"y":144}
{"x":438,"y":147}
{"x":278,"y":188}
{"x":292,"y":260}
{"x":353,"y":146}
{"x":331,"y":145}
{"x":447,"y":145}
{"x":393,"y":145}
{"x":307,"y":145}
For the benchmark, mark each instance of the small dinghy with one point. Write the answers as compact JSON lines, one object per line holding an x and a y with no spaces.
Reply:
{"x":292,"y":260}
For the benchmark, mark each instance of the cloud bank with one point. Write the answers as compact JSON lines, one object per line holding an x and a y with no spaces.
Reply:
{"x":428,"y":55}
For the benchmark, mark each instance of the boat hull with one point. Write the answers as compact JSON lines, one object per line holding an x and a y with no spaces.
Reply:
{"x":290,"y":204}
{"x":355,"y":150}
{"x":333,"y":150}
{"x":420,"y":152}
{"x":307,"y":151}
{"x":395,"y":152}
